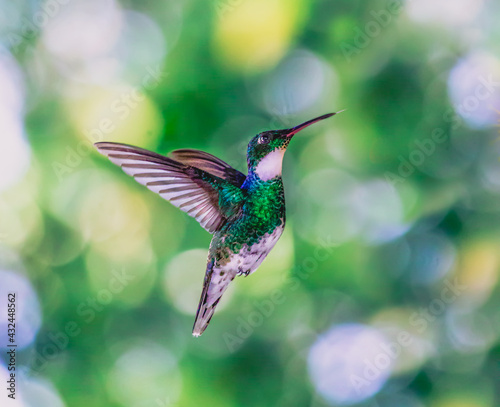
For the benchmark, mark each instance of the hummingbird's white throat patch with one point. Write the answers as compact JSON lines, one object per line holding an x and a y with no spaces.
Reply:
{"x":270,"y":166}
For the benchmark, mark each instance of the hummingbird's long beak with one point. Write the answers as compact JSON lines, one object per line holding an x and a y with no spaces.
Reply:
{"x":302,"y":126}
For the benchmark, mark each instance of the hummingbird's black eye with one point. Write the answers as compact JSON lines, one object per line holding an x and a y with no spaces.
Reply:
{"x":263,"y":139}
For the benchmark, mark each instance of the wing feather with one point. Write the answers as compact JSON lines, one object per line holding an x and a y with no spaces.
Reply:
{"x":209,"y":163}
{"x":193,"y":189}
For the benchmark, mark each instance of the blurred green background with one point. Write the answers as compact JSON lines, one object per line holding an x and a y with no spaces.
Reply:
{"x":383,"y":291}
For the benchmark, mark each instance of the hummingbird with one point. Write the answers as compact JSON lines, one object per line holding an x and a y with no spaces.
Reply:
{"x":245,"y":213}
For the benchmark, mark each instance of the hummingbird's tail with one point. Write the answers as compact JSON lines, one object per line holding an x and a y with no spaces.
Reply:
{"x":216,"y":281}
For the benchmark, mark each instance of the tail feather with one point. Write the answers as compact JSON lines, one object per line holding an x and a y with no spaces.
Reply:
{"x":215,"y":283}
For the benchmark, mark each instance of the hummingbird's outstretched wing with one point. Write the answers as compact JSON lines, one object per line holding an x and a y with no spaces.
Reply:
{"x":209,"y":163}
{"x":207,"y":197}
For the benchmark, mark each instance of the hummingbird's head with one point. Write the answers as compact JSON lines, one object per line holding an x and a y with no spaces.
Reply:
{"x":266,"y":150}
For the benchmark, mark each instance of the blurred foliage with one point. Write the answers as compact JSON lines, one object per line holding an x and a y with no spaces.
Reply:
{"x":383,"y":291}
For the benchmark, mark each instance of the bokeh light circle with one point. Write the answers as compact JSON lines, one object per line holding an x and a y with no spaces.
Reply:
{"x":347,"y":364}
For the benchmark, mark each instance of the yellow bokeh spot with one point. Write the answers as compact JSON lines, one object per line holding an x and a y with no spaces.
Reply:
{"x":254,"y":35}
{"x":478,"y":270}
{"x":116,"y":220}
{"x":22,"y":224}
{"x":408,"y":346}
{"x":121,"y":113}
{"x":462,"y":400}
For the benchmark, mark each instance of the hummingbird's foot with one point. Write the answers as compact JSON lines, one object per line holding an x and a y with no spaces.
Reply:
{"x":244,"y":273}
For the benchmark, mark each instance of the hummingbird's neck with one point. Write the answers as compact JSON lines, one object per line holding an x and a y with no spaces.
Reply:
{"x":268,"y":167}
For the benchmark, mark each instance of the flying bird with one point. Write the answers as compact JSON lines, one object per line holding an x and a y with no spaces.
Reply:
{"x":245,"y":213}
